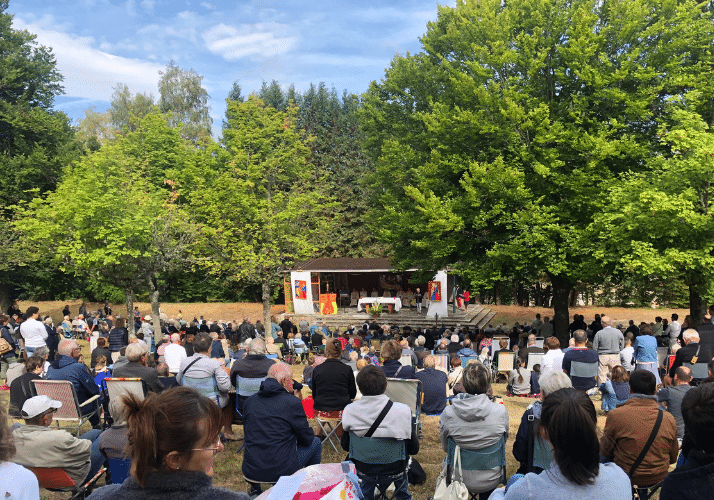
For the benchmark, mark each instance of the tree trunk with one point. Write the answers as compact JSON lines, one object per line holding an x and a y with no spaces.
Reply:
{"x":514,"y":293}
{"x":5,"y":300}
{"x":561,"y":293}
{"x":155,"y":313}
{"x":129,"y":297}
{"x":538,"y":295}
{"x":497,"y":293}
{"x":266,"y":305}
{"x":697,"y":306}
{"x":573,"y":297}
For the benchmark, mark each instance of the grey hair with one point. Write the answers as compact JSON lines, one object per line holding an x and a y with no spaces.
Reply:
{"x":118,"y":410}
{"x":553,"y":381}
{"x":421,"y":340}
{"x":42,"y":351}
{"x":454,"y":338}
{"x":689,"y":334}
{"x":580,"y":336}
{"x":476,"y":378}
{"x":135,"y":351}
{"x":280,"y":372}
{"x":256,"y":346}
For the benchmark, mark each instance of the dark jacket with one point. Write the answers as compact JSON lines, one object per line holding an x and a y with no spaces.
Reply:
{"x":185,"y":485}
{"x":706,"y":339}
{"x":692,"y":480}
{"x":245,"y":331}
{"x":134,"y":369}
{"x":434,"y":388}
{"x":52,"y":339}
{"x":217,"y":350}
{"x":5,"y":332}
{"x":392,"y":366}
{"x":274,"y":425}
{"x":333,"y":385}
{"x":100,"y":351}
{"x":118,"y":338}
{"x":685,"y":354}
{"x":67,"y":368}
{"x":21,"y":389}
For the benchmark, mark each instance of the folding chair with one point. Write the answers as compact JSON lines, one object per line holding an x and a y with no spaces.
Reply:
{"x":377,"y":346}
{"x":271,"y":356}
{"x":406,"y":360}
{"x":465,"y":360}
{"x":56,"y":479}
{"x":662,"y":357}
{"x":488,"y":458}
{"x":496,"y":340}
{"x":699,"y":370}
{"x":118,"y":387}
{"x":378,"y":451}
{"x":254,"y":487}
{"x":442,"y":362}
{"x":71,"y":410}
{"x":329,"y":427}
{"x":409,"y":392}
{"x":540,"y":341}
{"x":505,"y":363}
{"x":245,"y":387}
{"x":539,"y":454}
{"x":534,"y":359}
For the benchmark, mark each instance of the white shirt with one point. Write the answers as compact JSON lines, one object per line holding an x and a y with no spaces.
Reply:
{"x":173,"y":354}
{"x":17,"y":483}
{"x":551,"y":361}
{"x":673,"y":329}
{"x":34,"y":333}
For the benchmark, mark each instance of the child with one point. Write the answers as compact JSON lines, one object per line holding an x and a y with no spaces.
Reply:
{"x":616,"y":390}
{"x":535,"y":379}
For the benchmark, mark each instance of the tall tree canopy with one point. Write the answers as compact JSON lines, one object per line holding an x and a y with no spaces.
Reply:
{"x":181,"y":95}
{"x":35,"y":141}
{"x":493,"y":143}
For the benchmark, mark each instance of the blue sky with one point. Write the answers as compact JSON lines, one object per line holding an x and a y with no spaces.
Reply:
{"x":99,"y":43}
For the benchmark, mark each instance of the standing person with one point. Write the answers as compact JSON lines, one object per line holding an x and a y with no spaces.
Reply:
{"x":569,"y":423}
{"x":418,"y":298}
{"x":66,"y":311}
{"x":33,"y":331}
{"x":627,"y":354}
{"x":467,"y":298}
{"x":608,"y":343}
{"x":673,"y":330}
{"x":646,"y":352}
{"x":10,"y":356}
{"x":118,"y":338}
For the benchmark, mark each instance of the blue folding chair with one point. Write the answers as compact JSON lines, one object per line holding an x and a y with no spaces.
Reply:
{"x":245,"y":387}
{"x":119,"y":469}
{"x":488,"y":458}
{"x":378,"y":451}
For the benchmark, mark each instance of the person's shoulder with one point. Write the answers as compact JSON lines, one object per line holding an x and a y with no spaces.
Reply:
{"x":108,"y":491}
{"x":612,"y":474}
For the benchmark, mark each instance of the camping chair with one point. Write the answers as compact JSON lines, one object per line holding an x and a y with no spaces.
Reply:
{"x":533,"y":359}
{"x":329,"y":428}
{"x":245,"y":387}
{"x":71,"y":410}
{"x":271,"y":356}
{"x":119,"y":469}
{"x":465,"y":360}
{"x":490,"y":457}
{"x":540,"y":341}
{"x":377,"y":346}
{"x":442,"y":362}
{"x":699,"y":370}
{"x":539,"y":455}
{"x":584,"y":370}
{"x":118,"y":387}
{"x":662,"y":357}
{"x":504,"y":364}
{"x":409,"y":392}
{"x":406,"y":360}
{"x":379,"y":451}
{"x":56,"y":479}
{"x":254,"y":486}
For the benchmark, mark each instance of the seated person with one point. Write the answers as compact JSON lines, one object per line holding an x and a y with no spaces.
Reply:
{"x":454,"y":376}
{"x":22,"y":389}
{"x":194,"y":371}
{"x":535,"y":380}
{"x":674,"y":395}
{"x":101,"y":371}
{"x":174,"y":439}
{"x":254,"y":365}
{"x":433,"y":386}
{"x":100,"y":350}
{"x":474,"y":422}
{"x":272,"y":348}
{"x":16,"y":482}
{"x":442,"y":348}
{"x":66,"y":367}
{"x":391,"y":353}
{"x":137,"y":355}
{"x":359,"y":416}
{"x":40,"y":446}
{"x":466,"y":350}
{"x":549,"y":383}
{"x":695,"y":475}
{"x":454,"y":346}
{"x":580,"y":353}
{"x":333,"y":383}
{"x":616,"y":390}
{"x":165,"y":377}
{"x":300,"y":347}
{"x":278,"y":438}
{"x":113,"y":441}
{"x":553,"y":359}
{"x":569,"y":423}
{"x":519,"y":380}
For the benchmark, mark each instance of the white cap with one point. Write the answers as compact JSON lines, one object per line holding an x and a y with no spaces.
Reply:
{"x":38,"y":405}
{"x":147,"y":317}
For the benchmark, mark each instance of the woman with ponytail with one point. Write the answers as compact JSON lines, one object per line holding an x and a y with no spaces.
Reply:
{"x":519,"y":380}
{"x":173,"y":443}
{"x":333,"y":383}
{"x":568,"y":423}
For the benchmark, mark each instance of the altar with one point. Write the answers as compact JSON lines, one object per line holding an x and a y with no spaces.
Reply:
{"x":394,"y":303}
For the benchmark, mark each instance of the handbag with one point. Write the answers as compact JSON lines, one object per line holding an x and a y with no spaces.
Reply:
{"x":5,"y":346}
{"x":455,"y":490}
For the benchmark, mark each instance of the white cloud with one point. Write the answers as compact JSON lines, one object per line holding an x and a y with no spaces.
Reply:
{"x":206,"y":5}
{"x":89,"y":72}
{"x":130,"y":7}
{"x":247,"y":41}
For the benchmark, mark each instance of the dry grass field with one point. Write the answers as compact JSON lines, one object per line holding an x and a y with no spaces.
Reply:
{"x":228,"y":463}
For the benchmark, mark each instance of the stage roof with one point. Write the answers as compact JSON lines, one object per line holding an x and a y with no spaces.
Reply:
{"x":346,"y":265}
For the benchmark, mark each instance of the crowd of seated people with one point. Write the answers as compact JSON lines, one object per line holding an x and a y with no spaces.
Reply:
{"x":456,"y":385}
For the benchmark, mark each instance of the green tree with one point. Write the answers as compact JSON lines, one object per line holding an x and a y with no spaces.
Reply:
{"x":35,"y":141}
{"x":494,"y":142}
{"x":136,"y":229}
{"x":235,"y":94}
{"x":263,"y":208}
{"x":181,"y":95}
{"x":126,"y":110}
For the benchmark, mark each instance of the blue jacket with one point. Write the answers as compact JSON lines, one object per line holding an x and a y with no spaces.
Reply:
{"x":5,"y":332}
{"x":690,"y":480}
{"x":392,"y":366}
{"x":275,"y":424}
{"x":67,"y":368}
{"x":645,"y":349}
